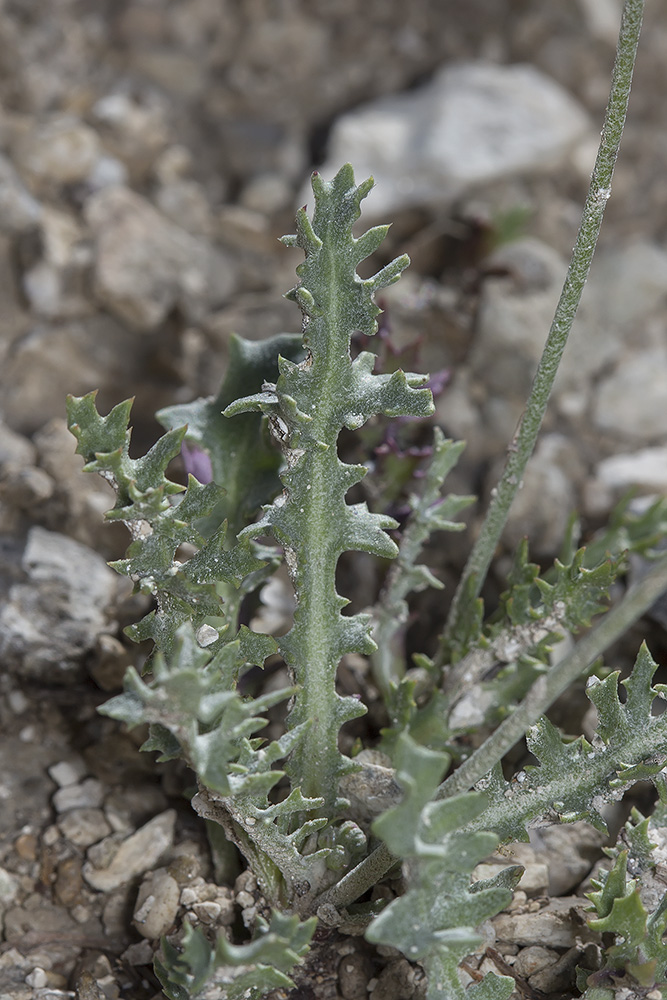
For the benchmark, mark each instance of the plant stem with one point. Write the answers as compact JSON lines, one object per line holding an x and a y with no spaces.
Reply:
{"x":637,"y":601}
{"x":525,"y":437}
{"x":366,"y":874}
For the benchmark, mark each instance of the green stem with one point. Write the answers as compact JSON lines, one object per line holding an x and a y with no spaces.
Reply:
{"x":525,"y":437}
{"x":358,"y":881}
{"x":614,"y":625}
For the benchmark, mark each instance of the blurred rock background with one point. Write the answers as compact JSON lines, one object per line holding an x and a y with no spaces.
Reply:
{"x":152,"y":151}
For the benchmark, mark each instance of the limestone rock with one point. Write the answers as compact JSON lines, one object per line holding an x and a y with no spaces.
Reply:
{"x":473,"y":123}
{"x":62,"y":151}
{"x":145,"y":265}
{"x":56,"y":282}
{"x":52,"y":621}
{"x":84,"y":826}
{"x":19,"y":211}
{"x":553,"y":925}
{"x":646,"y":469}
{"x":135,"y":855}
{"x":631,"y":402}
{"x":569,"y":850}
{"x":157,"y":904}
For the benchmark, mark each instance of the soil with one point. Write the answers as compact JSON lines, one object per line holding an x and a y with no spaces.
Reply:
{"x":130,"y":127}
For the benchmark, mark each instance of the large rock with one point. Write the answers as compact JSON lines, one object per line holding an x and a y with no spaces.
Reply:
{"x":146,"y":266}
{"x":50,"y":622}
{"x":473,"y":123}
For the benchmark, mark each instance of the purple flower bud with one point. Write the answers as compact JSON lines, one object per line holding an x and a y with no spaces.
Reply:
{"x":197,"y":463}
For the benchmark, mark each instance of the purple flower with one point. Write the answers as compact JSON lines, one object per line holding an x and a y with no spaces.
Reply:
{"x":197,"y":463}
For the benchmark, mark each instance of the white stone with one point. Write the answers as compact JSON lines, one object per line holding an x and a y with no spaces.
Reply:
{"x":207,"y":635}
{"x":632,"y":401}
{"x":64,"y":150}
{"x":145,"y":265}
{"x":157,"y":904}
{"x":646,"y":469}
{"x":17,"y":701}
{"x":472,"y":123}
{"x":49,"y":623}
{"x":37,"y":979}
{"x":67,"y":772}
{"x":209,"y":911}
{"x":553,"y":925}
{"x":84,"y":826}
{"x":136,"y":854}
{"x":19,"y":211}
{"x":9,"y":887}
{"x":88,"y":795}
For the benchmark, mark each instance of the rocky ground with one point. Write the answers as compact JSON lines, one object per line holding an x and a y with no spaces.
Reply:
{"x":150,"y":154}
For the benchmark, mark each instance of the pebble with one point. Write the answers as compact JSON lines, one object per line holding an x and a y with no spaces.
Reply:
{"x":140,"y":953}
{"x":569,"y":850}
{"x":81,"y":913}
{"x":354,"y":973}
{"x":134,"y":855}
{"x":17,"y":701}
{"x":68,"y":884}
{"x":37,"y":979}
{"x":84,"y":826}
{"x":208,"y":912}
{"x":87,"y":795}
{"x":534,"y":959}
{"x":553,"y":924}
{"x":51,"y":835}
{"x":559,"y":976}
{"x":397,"y":980}
{"x":56,"y":283}
{"x":157,"y":904}
{"x":26,"y":846}
{"x":66,"y":772}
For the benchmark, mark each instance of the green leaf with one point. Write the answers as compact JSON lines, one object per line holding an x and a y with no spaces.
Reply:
{"x":243,"y":460}
{"x":205,"y":588}
{"x":434,"y":922}
{"x":429,"y":513}
{"x":193,"y":707}
{"x":574,"y":777}
{"x":250,"y":970}
{"x":307,"y":408}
